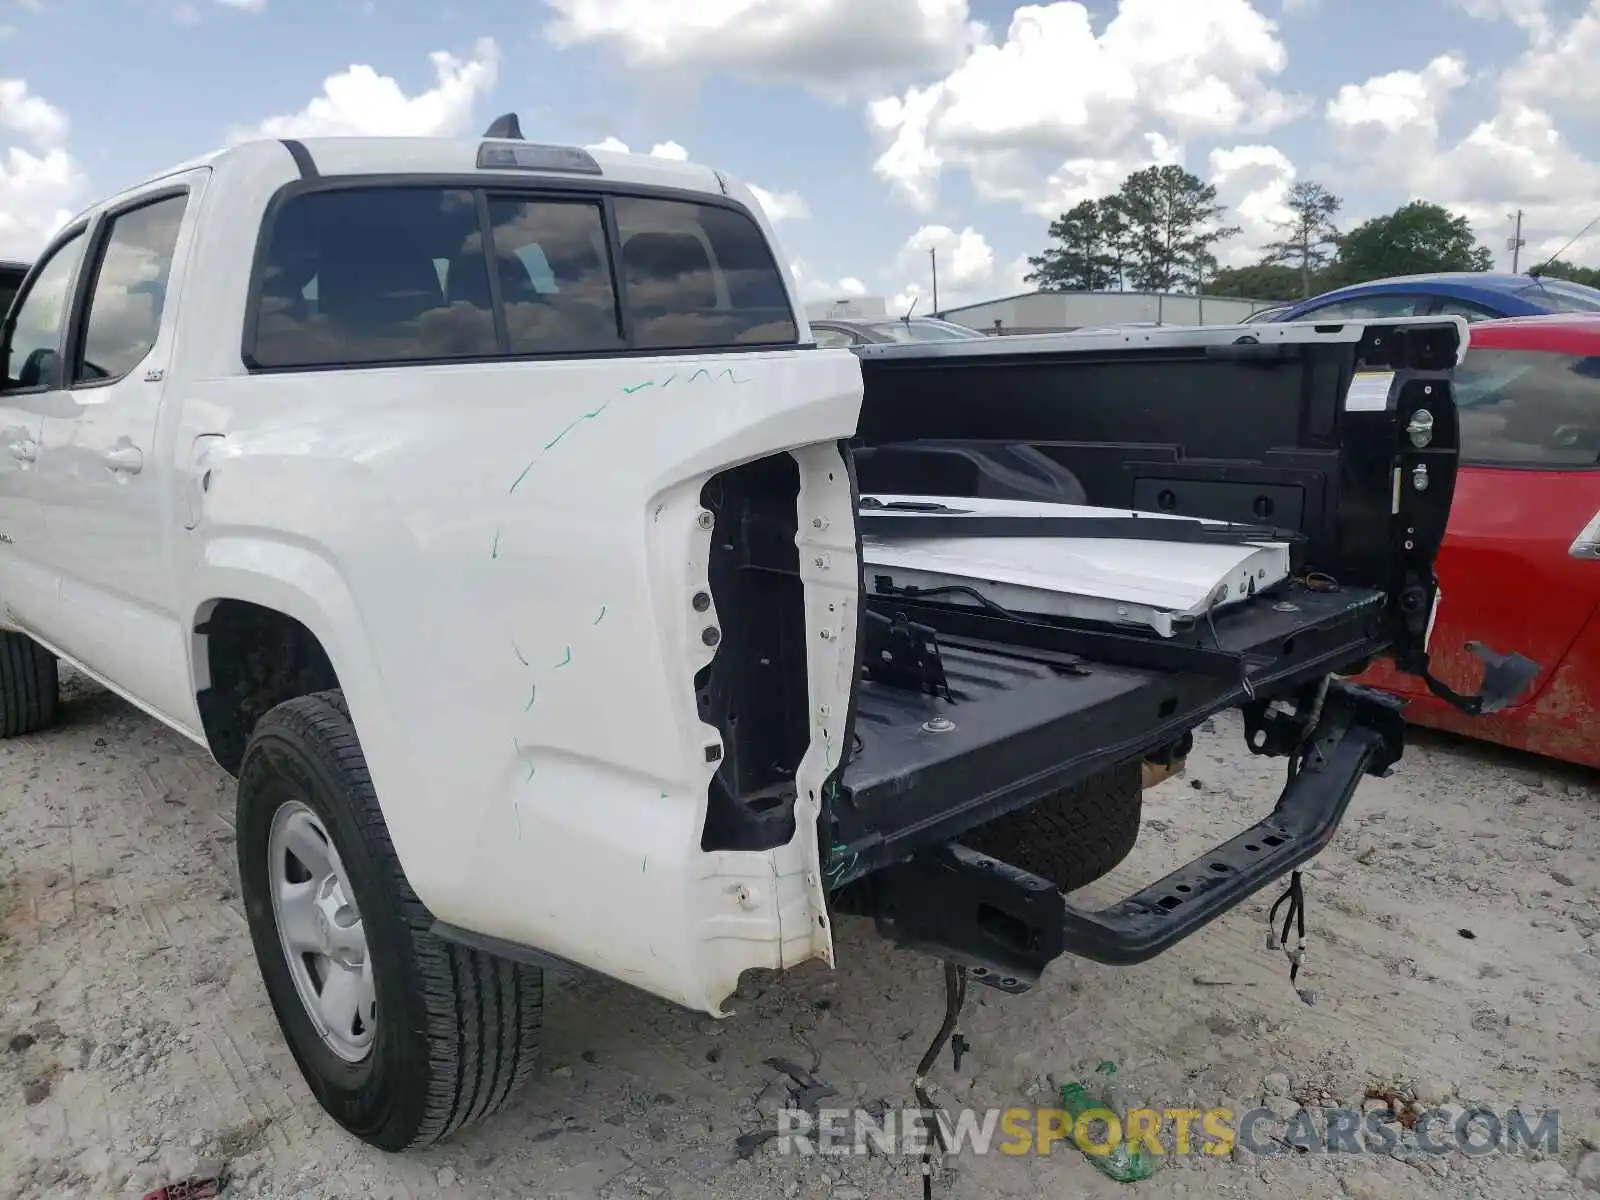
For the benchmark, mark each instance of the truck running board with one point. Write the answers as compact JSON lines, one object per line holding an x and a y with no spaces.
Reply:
{"x":1006,"y":925}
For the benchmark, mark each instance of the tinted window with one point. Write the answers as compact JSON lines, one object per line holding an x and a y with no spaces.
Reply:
{"x":42,"y":317}
{"x":1361,"y":307}
{"x":555,"y":276}
{"x":1528,"y":407}
{"x":923,"y":331}
{"x":368,"y":275}
{"x":10,"y":281}
{"x":1464,"y":308}
{"x":397,"y":274}
{"x":831,"y":338}
{"x":1562,"y":295}
{"x":130,"y":289}
{"x":698,"y":276}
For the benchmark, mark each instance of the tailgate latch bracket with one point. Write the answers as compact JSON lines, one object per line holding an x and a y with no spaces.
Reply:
{"x":901,"y":652}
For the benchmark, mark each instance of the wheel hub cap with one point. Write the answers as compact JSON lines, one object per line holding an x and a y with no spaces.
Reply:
{"x":321,"y":932}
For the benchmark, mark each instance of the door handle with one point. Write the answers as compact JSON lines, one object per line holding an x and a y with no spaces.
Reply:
{"x":25,"y":451}
{"x":128,"y":460}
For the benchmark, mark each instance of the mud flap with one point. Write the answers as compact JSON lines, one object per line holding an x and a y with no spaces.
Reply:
{"x":1505,"y":678}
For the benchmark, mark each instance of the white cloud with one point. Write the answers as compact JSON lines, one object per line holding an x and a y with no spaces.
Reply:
{"x":964,"y":258}
{"x":968,"y":271}
{"x":1388,"y":126}
{"x":360,"y":101}
{"x":1253,"y":181}
{"x":1531,"y":16}
{"x":1389,"y":130}
{"x":40,"y":182}
{"x":829,"y":45}
{"x":34,"y":117}
{"x":250,"y":6}
{"x":1055,"y":106}
{"x":1089,"y":178}
{"x":781,"y":206}
{"x":668,"y":150}
{"x":1564,"y":77}
{"x":813,"y":289}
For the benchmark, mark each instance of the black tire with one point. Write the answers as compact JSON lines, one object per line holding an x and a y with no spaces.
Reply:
{"x":29,"y":685}
{"x":1073,"y":837}
{"x":457,"y":1031}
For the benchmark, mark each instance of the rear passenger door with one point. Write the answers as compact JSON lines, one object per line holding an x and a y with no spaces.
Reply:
{"x":105,"y":483}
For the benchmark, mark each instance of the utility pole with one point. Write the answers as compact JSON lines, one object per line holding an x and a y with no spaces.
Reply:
{"x":1515,"y":242}
{"x":933,"y":257}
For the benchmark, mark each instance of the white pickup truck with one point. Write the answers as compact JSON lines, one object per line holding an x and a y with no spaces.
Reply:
{"x":488,"y":511}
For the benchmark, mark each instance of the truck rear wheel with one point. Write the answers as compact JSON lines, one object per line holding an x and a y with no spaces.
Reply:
{"x":29,"y":685}
{"x":1073,"y":837}
{"x":402,"y":1037}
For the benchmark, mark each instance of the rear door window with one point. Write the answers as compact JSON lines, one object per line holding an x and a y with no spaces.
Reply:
{"x":401,"y":274}
{"x":130,"y":290}
{"x":1529,"y":408}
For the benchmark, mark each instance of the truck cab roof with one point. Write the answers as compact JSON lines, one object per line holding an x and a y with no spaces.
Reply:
{"x":339,"y":156}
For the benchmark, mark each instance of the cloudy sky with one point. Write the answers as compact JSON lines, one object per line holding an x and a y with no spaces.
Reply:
{"x":873,"y":129}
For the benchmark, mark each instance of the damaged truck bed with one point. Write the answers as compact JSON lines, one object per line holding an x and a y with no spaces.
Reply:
{"x":1075,"y":551}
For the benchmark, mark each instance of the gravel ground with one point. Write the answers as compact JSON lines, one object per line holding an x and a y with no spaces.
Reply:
{"x":1455,"y":959}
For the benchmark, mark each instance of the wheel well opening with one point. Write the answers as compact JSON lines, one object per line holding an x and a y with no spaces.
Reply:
{"x":255,"y":658}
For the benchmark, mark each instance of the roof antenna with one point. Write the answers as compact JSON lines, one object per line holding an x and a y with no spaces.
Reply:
{"x":912,"y":309}
{"x":505,"y":126}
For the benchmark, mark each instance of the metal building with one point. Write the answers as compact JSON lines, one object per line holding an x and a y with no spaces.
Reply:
{"x":1052,"y":312}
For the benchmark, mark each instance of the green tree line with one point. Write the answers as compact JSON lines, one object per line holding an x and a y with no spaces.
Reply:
{"x":1160,"y":232}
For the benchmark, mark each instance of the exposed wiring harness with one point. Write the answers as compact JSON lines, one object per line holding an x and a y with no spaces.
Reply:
{"x":955,"y":996}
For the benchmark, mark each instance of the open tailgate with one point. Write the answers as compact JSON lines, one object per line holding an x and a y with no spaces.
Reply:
{"x":990,"y":681}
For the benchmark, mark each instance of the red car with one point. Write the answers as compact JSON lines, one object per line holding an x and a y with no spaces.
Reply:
{"x":1520,"y":565}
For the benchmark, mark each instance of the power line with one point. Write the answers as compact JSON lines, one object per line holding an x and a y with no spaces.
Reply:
{"x":1564,"y":249}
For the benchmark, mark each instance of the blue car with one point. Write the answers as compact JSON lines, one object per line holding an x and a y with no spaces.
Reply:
{"x":1475,"y":295}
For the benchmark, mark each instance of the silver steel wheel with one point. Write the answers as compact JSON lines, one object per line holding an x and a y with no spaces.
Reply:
{"x":321,"y":932}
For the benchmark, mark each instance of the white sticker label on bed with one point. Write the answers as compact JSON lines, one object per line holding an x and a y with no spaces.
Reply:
{"x":1369,"y":391}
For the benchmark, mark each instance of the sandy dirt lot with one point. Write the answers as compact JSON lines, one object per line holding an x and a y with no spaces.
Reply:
{"x":1455,"y":957}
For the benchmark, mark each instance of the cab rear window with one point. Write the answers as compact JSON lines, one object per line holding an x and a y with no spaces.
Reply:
{"x":410,"y":274}
{"x":1529,"y":408}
